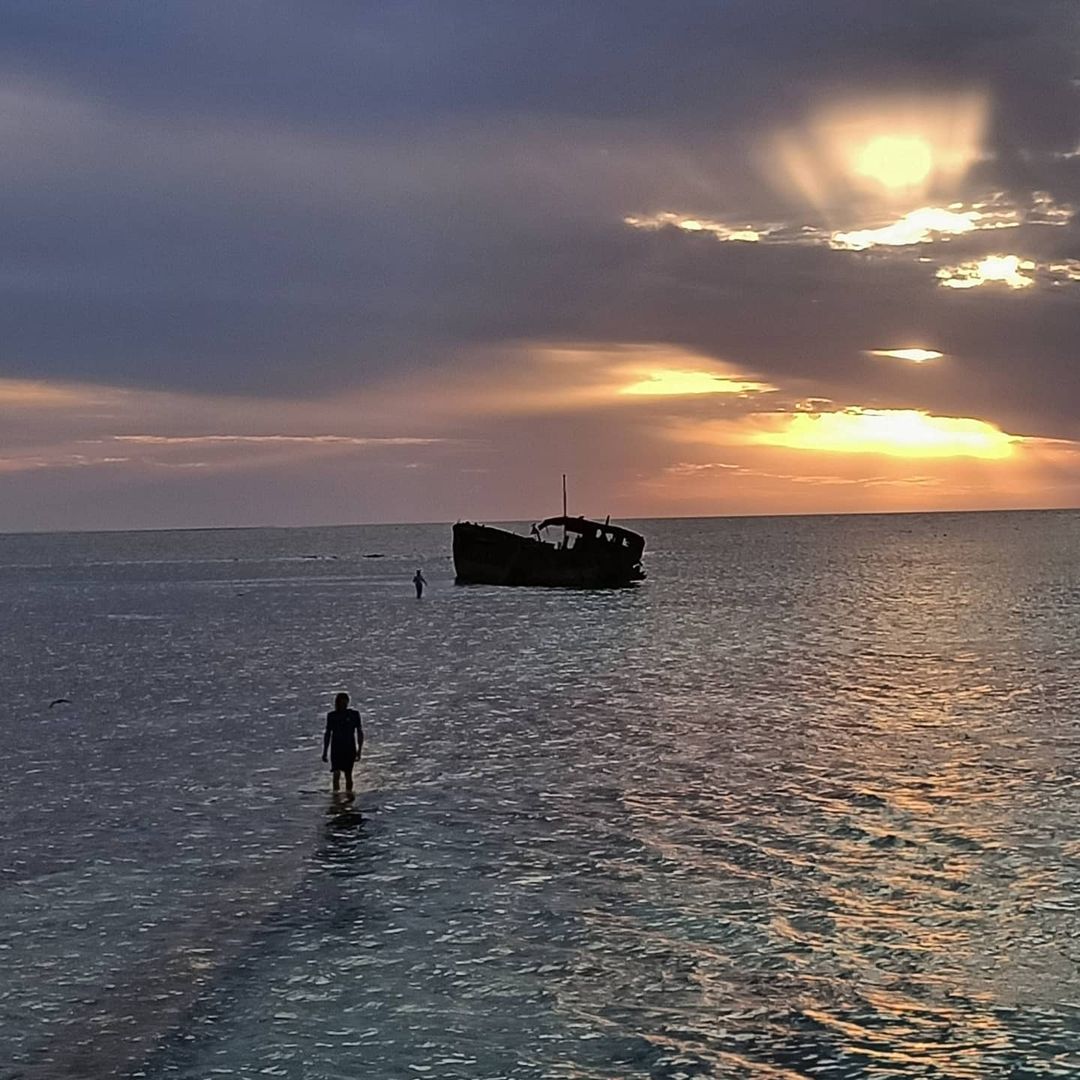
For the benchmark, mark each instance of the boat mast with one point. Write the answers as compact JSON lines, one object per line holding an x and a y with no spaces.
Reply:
{"x":564,"y":511}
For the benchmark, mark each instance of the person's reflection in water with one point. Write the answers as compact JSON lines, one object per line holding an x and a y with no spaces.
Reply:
{"x":344,"y":738}
{"x":344,"y":831}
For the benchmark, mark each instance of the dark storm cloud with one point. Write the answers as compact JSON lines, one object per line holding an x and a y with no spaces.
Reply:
{"x":285,"y":198}
{"x":351,"y":66}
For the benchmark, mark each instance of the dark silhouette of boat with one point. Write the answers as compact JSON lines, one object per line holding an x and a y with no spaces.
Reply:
{"x":590,"y":555}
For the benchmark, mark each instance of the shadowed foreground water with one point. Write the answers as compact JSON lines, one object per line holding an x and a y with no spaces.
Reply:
{"x":804,"y":804}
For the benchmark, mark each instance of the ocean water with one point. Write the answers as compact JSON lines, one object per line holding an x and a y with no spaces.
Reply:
{"x":802,"y":804}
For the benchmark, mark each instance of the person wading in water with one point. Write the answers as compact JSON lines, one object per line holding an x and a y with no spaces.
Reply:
{"x":344,"y":739}
{"x":419,"y":581}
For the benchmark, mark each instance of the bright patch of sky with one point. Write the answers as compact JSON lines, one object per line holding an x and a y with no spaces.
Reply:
{"x":897,"y":432}
{"x":745,"y":234}
{"x":1008,"y":270}
{"x":922,"y":225}
{"x":677,"y":383}
{"x":917,"y":227}
{"x":914,"y":356}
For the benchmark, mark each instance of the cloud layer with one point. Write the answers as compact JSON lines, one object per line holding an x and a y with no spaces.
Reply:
{"x":253,"y":213}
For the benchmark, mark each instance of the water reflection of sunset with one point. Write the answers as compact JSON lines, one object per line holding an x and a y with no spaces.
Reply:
{"x":881,"y":891}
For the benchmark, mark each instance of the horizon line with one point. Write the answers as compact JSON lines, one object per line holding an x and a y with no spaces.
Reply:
{"x":512,"y":520}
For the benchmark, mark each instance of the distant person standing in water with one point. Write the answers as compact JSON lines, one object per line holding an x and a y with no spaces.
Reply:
{"x":419,"y":581}
{"x":344,"y":739}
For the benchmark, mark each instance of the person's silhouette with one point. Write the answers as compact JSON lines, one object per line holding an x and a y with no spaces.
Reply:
{"x":344,"y":738}
{"x":419,"y":581}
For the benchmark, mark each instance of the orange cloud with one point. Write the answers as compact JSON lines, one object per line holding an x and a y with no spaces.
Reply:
{"x":859,"y":460}
{"x":901,"y":433}
{"x":665,"y":431}
{"x":671,"y":382}
{"x":907,"y":433}
{"x":550,"y":378}
{"x":39,"y":394}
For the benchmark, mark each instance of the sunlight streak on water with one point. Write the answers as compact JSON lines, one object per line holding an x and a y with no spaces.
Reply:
{"x":803,"y":804}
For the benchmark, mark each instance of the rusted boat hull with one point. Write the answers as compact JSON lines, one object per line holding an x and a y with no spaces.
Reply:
{"x":488,"y":556}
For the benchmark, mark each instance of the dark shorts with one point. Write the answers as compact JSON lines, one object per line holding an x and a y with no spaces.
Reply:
{"x":342,"y":762}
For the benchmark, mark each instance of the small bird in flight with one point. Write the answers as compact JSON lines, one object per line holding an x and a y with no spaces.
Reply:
{"x":60,"y":701}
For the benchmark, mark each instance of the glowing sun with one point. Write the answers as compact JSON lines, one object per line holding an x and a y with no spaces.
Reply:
{"x":895,"y":161}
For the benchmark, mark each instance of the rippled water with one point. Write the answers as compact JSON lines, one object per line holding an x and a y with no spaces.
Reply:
{"x":804,"y":804}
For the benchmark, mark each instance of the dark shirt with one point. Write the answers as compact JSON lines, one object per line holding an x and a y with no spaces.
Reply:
{"x":340,"y":727}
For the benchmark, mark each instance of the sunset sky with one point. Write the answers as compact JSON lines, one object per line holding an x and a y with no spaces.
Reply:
{"x":327,"y":262}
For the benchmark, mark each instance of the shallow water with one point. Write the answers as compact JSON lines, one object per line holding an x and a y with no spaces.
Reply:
{"x":803,"y":804}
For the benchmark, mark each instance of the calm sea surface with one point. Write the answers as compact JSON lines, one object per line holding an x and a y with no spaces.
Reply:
{"x":803,"y":804}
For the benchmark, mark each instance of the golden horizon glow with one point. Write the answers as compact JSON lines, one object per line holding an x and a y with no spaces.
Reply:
{"x":915,"y":356}
{"x":999,"y":269}
{"x":679,"y":383}
{"x":895,"y":161}
{"x":909,"y":433}
{"x":736,"y":453}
